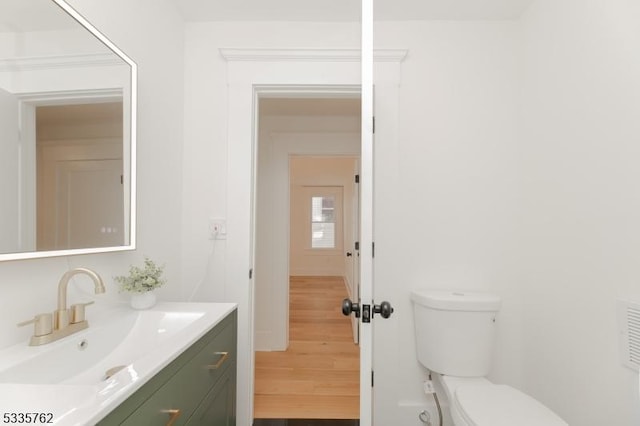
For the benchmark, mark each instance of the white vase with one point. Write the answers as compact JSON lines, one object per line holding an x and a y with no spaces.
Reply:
{"x":143,"y":300}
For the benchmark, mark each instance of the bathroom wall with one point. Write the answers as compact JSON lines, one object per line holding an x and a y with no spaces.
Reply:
{"x":580,"y":205}
{"x":446,"y":194}
{"x":155,"y":42}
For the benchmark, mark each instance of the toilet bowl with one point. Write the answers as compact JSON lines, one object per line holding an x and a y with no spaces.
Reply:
{"x":454,"y":339}
{"x":478,"y":402}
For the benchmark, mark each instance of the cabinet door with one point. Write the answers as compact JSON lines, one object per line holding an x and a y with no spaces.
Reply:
{"x":161,"y":410}
{"x":218,"y":407}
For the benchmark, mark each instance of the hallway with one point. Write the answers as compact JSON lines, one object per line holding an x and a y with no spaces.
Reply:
{"x":318,"y":376}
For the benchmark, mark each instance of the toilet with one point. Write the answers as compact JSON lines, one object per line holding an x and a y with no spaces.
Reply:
{"x":454,"y":339}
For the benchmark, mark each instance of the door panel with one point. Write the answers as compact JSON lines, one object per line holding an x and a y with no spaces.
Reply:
{"x":366,"y":213}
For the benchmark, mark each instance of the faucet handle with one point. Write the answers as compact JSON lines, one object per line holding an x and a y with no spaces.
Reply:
{"x":42,"y":324}
{"x":77,"y":312}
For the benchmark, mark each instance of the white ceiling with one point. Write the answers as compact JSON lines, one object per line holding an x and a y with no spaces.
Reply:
{"x":29,"y":15}
{"x":349,"y":10}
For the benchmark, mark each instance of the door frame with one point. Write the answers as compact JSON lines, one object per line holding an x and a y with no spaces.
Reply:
{"x":365,"y":334}
{"x":247,"y":69}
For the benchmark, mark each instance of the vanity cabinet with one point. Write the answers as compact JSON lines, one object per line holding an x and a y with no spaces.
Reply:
{"x":197,"y":388}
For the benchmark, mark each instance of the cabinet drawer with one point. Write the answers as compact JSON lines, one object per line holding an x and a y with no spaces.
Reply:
{"x":219,"y":406}
{"x":202,"y":372}
{"x":166,"y":407}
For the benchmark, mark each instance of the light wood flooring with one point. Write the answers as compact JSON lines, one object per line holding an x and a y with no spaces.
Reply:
{"x":318,"y":376}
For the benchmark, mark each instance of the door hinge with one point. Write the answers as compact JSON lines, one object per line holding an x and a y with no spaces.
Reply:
{"x":357,"y":178}
{"x":357,"y":245}
{"x":250,"y":273}
{"x":373,"y":130}
{"x":371,"y":378}
{"x":373,"y":249}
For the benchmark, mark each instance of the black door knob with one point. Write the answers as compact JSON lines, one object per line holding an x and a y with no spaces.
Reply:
{"x":384,"y":309}
{"x":348,"y":307}
{"x":349,"y":254}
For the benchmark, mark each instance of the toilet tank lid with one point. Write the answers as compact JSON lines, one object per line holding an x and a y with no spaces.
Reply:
{"x":456,"y":300}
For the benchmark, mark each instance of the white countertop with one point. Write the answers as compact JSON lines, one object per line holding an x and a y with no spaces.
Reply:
{"x":81,"y":399}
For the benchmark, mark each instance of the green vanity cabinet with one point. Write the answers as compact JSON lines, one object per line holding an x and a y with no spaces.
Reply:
{"x":219,"y":407}
{"x":196,"y":389}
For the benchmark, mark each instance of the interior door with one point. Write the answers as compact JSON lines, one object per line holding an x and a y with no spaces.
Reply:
{"x":79,"y":180}
{"x":366,"y":217}
{"x":88,"y":204}
{"x":365,"y":309}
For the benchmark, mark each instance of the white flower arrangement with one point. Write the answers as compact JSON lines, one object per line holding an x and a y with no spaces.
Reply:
{"x":142,"y":280}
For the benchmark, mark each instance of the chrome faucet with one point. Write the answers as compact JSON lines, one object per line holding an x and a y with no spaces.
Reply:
{"x":65,"y":321}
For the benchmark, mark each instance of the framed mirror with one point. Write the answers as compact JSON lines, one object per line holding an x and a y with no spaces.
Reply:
{"x":67,"y":134}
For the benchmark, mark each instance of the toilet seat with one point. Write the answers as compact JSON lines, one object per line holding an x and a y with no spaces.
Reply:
{"x":501,"y":405}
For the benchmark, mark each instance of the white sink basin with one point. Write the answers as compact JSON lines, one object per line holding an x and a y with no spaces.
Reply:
{"x":69,"y":377}
{"x":83,"y":358}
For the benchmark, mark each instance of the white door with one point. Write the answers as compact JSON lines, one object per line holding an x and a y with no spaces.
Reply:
{"x":366,"y":216}
{"x":88,"y":204}
{"x":366,"y":308}
{"x":80,"y":180}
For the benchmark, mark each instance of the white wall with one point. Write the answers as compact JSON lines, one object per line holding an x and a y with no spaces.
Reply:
{"x":206,"y":131}
{"x":446,"y":193}
{"x":581,"y":204}
{"x":155,"y":42}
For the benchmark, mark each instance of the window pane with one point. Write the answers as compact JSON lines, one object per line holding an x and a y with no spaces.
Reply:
{"x":322,"y":209}
{"x":316,"y":209}
{"x":323,"y":222}
{"x":322,"y":235}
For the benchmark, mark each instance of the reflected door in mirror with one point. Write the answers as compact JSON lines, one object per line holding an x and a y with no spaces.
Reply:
{"x":79,"y":176}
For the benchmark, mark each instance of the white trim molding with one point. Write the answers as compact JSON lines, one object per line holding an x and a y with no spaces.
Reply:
{"x":60,"y":61}
{"x":310,"y":55}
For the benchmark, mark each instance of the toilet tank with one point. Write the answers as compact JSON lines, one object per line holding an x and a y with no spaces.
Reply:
{"x":455,"y":331}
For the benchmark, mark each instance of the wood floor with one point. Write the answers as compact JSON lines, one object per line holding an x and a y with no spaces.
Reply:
{"x":318,"y":376}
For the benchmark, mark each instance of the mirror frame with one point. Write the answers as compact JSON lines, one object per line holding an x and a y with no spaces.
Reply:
{"x":132,"y":156}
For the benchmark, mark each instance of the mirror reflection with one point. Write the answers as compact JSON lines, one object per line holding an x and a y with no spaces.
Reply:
{"x":65,"y":133}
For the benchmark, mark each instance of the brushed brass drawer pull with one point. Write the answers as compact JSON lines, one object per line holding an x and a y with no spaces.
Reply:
{"x":222,"y":359}
{"x":173,"y":415}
